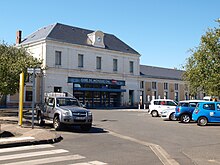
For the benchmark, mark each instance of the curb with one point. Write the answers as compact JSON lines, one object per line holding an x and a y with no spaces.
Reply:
{"x":34,"y":142}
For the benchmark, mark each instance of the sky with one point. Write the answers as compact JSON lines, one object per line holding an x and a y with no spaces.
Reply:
{"x":162,"y":31}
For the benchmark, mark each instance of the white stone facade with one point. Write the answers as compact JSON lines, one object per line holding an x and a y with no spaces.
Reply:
{"x":57,"y":75}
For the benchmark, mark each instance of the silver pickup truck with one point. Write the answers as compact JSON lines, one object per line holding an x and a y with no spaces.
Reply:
{"x":64,"y":111}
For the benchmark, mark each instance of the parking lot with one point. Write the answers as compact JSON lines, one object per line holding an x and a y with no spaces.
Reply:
{"x":186,"y":143}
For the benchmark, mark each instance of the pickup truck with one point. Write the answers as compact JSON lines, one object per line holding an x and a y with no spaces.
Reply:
{"x":63,"y":111}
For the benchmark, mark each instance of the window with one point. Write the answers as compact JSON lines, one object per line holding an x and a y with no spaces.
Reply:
{"x":176,"y":87}
{"x":165,"y":95}
{"x":98,"y":62}
{"x":165,"y":86}
{"x":218,"y":106}
{"x":171,"y":103}
{"x":57,"y":57}
{"x":57,"y":89}
{"x":80,"y":60}
{"x":131,"y":65}
{"x":176,"y":96}
{"x":115,"y":65}
{"x":154,"y":85}
{"x":142,"y":84}
{"x":28,"y":96}
{"x":192,"y":104}
{"x":209,"y":106}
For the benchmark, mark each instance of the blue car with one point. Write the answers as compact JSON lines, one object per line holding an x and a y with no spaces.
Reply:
{"x":185,"y":109}
{"x":207,"y":112}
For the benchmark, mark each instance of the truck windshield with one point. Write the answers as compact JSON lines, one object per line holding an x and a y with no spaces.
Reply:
{"x":67,"y":102}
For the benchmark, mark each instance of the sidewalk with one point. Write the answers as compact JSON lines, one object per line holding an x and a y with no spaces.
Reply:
{"x":22,"y":135}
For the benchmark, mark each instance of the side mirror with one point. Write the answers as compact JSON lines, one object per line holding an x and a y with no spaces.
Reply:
{"x":82,"y":105}
{"x":50,"y":104}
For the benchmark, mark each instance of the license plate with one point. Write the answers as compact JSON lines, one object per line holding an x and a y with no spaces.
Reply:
{"x":80,"y":118}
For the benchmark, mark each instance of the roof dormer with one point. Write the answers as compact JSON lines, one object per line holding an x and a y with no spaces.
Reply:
{"x":97,"y":39}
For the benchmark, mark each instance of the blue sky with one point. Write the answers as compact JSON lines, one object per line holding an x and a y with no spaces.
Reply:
{"x":162,"y":31}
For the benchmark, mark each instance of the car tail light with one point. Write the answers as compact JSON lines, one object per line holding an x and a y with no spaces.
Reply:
{"x":196,"y":111}
{"x":178,"y":109}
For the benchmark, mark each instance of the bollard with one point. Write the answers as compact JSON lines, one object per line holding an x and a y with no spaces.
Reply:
{"x":144,"y":106}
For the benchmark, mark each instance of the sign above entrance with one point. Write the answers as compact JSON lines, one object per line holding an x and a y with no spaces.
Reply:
{"x":95,"y":81}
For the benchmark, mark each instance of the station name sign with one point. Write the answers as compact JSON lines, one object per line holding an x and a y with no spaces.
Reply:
{"x":95,"y":81}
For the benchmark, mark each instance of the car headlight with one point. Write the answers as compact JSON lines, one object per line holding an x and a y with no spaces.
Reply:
{"x":66,"y":113}
{"x":89,"y":113}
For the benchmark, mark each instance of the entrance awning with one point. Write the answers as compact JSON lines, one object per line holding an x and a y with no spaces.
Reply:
{"x":99,"y":89}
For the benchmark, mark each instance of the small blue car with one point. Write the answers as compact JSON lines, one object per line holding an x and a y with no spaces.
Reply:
{"x":185,"y":109}
{"x":207,"y":112}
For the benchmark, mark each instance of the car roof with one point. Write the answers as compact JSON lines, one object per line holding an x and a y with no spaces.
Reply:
{"x":162,"y":100}
{"x":191,"y":101}
{"x":210,"y":102}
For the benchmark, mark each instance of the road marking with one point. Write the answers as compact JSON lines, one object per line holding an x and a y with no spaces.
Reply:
{"x":22,"y":148}
{"x":16,"y":139}
{"x":159,"y":151}
{"x":91,"y":163}
{"x":214,"y":161}
{"x":48,"y":160}
{"x":39,"y":153}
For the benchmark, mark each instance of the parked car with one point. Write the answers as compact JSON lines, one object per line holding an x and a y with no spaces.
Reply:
{"x":158,"y":105}
{"x":185,"y":109}
{"x":168,"y":114}
{"x":63,"y":111}
{"x":207,"y":112}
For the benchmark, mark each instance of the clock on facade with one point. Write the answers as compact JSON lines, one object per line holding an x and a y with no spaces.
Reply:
{"x":99,"y":39}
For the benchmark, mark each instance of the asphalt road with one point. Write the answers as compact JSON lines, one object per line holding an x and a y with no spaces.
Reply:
{"x":121,"y":137}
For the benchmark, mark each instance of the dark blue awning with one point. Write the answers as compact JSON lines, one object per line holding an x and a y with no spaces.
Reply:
{"x":99,"y":89}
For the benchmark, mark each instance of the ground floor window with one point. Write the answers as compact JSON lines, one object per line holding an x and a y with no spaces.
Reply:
{"x":95,"y":93}
{"x":96,"y":99}
{"x":28,"y":96}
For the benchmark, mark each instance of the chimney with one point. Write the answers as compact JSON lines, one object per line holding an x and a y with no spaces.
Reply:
{"x":18,"y":37}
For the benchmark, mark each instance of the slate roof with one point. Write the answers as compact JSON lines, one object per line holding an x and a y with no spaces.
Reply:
{"x":160,"y":73}
{"x":75,"y":35}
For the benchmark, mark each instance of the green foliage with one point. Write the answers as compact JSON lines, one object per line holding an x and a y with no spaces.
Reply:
{"x":12,"y":62}
{"x":203,"y":66}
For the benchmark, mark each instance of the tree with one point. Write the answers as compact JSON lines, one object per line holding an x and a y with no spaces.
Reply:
{"x":203,"y":66}
{"x":13,"y":61}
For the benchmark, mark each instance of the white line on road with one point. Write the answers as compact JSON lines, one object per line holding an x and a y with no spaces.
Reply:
{"x":22,"y":148}
{"x":159,"y":151}
{"x":47,"y":160}
{"x":16,"y":139}
{"x":25,"y":155}
{"x":91,"y":163}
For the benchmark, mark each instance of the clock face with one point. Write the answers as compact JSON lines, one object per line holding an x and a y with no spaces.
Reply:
{"x":99,"y":39}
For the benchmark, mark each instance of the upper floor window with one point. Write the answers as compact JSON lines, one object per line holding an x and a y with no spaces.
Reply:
{"x":98,"y":62}
{"x":80,"y":60}
{"x":154,"y":85}
{"x":142,"y":84}
{"x":165,"y":86}
{"x":115,"y":65}
{"x":131,"y":66}
{"x":176,"y":86}
{"x":57,"y":57}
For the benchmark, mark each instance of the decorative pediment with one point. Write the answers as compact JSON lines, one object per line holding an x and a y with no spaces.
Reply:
{"x":96,"y":39}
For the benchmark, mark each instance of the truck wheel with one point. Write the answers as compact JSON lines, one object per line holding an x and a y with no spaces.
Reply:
{"x":86,"y":127}
{"x":40,"y":120}
{"x":56,"y":123}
